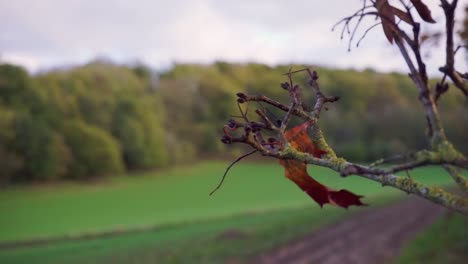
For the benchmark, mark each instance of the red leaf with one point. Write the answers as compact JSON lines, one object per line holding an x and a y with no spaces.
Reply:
{"x":423,"y":11}
{"x":296,"y":171}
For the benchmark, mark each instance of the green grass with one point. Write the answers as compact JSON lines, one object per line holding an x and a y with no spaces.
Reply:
{"x":177,"y":195}
{"x":445,"y":242}
{"x":210,"y":241}
{"x":256,"y":202}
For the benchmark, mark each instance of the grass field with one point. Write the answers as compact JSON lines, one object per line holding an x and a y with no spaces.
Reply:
{"x":444,"y":242}
{"x":209,"y":241}
{"x":256,"y":202}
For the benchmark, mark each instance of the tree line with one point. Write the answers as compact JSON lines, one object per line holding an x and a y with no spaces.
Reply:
{"x":104,"y":119}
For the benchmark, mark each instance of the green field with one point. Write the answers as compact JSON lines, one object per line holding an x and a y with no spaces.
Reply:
{"x":444,"y":242}
{"x":256,"y":201}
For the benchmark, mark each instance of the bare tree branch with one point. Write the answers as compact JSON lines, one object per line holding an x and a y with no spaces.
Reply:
{"x":458,"y":178}
{"x":449,"y":68}
{"x":440,"y":150}
{"x":425,"y":96}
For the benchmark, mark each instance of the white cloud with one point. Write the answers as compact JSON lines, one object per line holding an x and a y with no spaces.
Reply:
{"x":45,"y":33}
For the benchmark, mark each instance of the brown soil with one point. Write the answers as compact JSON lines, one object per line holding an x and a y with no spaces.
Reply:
{"x":371,"y":236}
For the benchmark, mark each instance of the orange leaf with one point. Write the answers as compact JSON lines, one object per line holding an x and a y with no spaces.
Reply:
{"x":423,"y":11}
{"x":300,"y":140}
{"x":296,"y":171}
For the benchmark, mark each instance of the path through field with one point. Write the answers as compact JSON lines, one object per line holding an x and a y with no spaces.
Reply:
{"x":372,"y":236}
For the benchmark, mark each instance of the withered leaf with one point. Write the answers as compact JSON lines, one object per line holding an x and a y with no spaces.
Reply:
{"x":423,"y":11}
{"x":387,"y":18}
{"x":296,"y":171}
{"x":402,"y":15}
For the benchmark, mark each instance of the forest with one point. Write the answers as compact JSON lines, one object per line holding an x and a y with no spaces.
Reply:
{"x":102,"y":118}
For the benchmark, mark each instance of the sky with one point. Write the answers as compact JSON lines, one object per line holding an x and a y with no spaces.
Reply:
{"x":45,"y":34}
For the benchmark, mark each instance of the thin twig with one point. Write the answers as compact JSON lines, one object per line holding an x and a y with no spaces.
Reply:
{"x":321,"y":98}
{"x":228,"y":168}
{"x":261,"y":98}
{"x":354,"y":32}
{"x":244,"y":116}
{"x":459,"y":47}
{"x":407,"y":174}
{"x":407,"y":166}
{"x":268,"y":110}
{"x":365,"y":33}
{"x":392,"y":159}
{"x":265,"y":119}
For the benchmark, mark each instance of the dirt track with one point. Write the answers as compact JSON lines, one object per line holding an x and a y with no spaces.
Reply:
{"x":371,"y":236}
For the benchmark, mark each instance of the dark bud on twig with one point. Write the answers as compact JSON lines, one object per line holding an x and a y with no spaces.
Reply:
{"x":241,"y":95}
{"x":272,"y":144}
{"x":315,"y":75}
{"x":240,"y":100}
{"x":247,"y":128}
{"x":285,"y":85}
{"x":255,"y":126}
{"x":231,"y":123}
{"x":226,"y":140}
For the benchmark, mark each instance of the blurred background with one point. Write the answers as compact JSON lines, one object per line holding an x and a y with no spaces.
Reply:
{"x":111,"y":115}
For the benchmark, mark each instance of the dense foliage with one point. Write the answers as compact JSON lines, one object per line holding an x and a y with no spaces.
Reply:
{"x":103,"y":118}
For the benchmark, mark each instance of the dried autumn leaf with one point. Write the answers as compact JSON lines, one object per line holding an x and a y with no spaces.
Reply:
{"x":387,"y":17}
{"x":423,"y":11}
{"x":296,"y":171}
{"x":402,"y":15}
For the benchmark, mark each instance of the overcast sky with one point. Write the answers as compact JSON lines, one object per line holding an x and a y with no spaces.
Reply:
{"x":40,"y":34}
